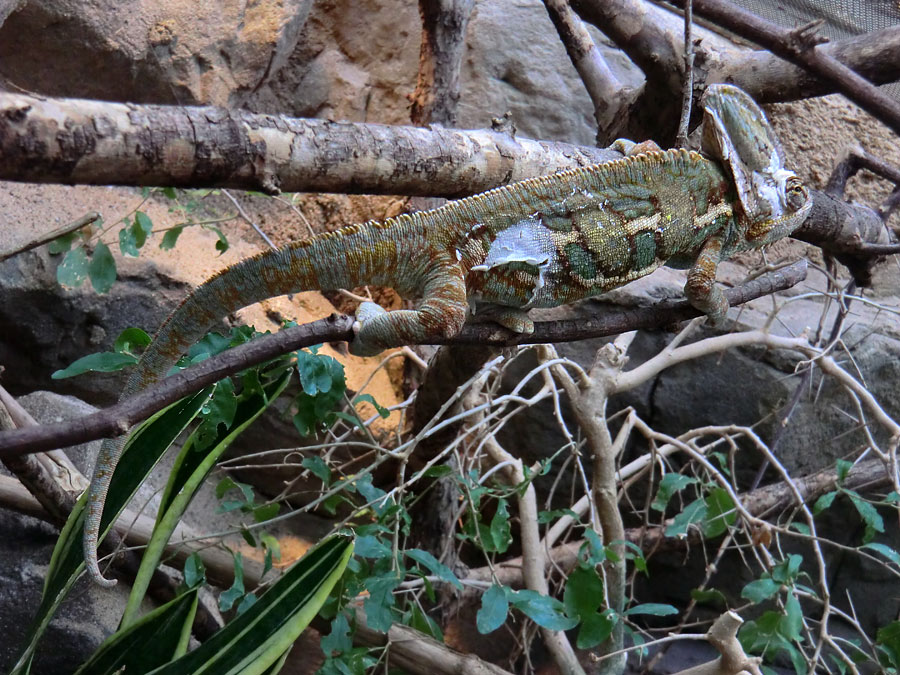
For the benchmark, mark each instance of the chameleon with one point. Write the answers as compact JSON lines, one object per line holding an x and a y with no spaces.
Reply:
{"x":540,"y":242}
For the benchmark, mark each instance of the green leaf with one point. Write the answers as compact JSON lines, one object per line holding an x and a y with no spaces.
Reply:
{"x":888,"y":639}
{"x":873,"y":520}
{"x":425,"y":624}
{"x":258,"y":638}
{"x":824,"y":502}
{"x":493,"y":610}
{"x":582,"y":598}
{"x":318,"y":467}
{"x":154,"y":641}
{"x":669,"y":485}
{"x":760,"y":590}
{"x":792,"y":624}
{"x":709,"y":596}
{"x":102,"y":268}
{"x":130,"y":338}
{"x":693,"y":513}
{"x":501,"y":534}
{"x":545,"y":611}
{"x":62,"y":243}
{"x":102,"y":362}
{"x":550,"y":516}
{"x":142,"y":451}
{"x":380,"y":601}
{"x":246,"y":603}
{"x":222,"y":241}
{"x":236,"y":591}
{"x":169,"y":192}
{"x":437,"y":568}
{"x":383,"y":412}
{"x":652,"y":609}
{"x":170,"y":238}
{"x":194,"y":571}
{"x":596,"y":629}
{"x":218,"y":412}
{"x":188,"y":473}
{"x":720,"y":513}
{"x":369,"y":546}
{"x":787,"y":570}
{"x":438,"y":471}
{"x":886,"y":551}
{"x":266,"y":512}
{"x":338,"y":640}
{"x":73,"y":270}
{"x":842,"y":467}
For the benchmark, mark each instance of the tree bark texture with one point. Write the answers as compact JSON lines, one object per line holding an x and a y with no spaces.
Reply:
{"x":73,"y":141}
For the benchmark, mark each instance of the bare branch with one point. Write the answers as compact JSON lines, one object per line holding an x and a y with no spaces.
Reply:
{"x":800,"y":46}
{"x":73,"y":141}
{"x":119,"y":418}
{"x":610,"y":97}
{"x":769,"y":78}
{"x":443,"y":41}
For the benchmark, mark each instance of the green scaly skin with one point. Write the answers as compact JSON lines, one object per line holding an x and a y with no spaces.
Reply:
{"x":541,"y":242}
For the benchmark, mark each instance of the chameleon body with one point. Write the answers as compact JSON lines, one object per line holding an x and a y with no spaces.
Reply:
{"x":541,"y":242}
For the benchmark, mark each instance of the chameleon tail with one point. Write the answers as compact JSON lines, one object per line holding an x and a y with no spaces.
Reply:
{"x":395,"y":253}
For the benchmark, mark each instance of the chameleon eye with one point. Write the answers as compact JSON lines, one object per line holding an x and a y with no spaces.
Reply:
{"x":797,"y":194}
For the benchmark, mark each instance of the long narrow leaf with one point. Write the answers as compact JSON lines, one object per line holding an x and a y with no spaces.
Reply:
{"x":142,"y":452}
{"x":153,"y":641}
{"x":191,"y":468}
{"x":259,"y":637}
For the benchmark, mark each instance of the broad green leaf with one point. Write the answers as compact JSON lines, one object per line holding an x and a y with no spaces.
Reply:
{"x":218,"y":413}
{"x":438,"y":471}
{"x":154,"y":641}
{"x":252,"y":642}
{"x":792,"y":623}
{"x":62,"y":243}
{"x":888,"y":639}
{"x":886,"y":551}
{"x":231,"y":595}
{"x":73,"y":270}
{"x":651,"y":608}
{"x":383,"y":412}
{"x":596,"y":629}
{"x":434,"y":566}
{"x":824,"y":501}
{"x":101,"y":362}
{"x":130,"y":338}
{"x":102,"y":268}
{"x":693,"y":513}
{"x":194,"y":571}
{"x":187,"y":475}
{"x":142,"y":451}
{"x":266,"y":512}
{"x":873,"y":520}
{"x":425,"y":624}
{"x":493,"y":610}
{"x":318,"y":467}
{"x":669,"y":485}
{"x":170,"y":238}
{"x":760,"y":590}
{"x":545,"y":611}
{"x":380,"y":601}
{"x":339,"y":639}
{"x":709,"y":596}
{"x":501,"y":534}
{"x":787,"y":570}
{"x":720,"y":513}
{"x":842,"y":467}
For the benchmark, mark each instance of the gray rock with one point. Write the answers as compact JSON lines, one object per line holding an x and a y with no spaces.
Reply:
{"x":178,"y":52}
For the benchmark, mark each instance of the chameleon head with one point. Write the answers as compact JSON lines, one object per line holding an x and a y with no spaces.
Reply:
{"x":772,"y":201}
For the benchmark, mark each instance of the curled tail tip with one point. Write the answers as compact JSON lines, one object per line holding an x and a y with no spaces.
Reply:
{"x":93,"y":569}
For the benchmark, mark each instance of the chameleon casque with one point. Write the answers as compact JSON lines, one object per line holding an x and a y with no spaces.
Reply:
{"x":541,"y":242}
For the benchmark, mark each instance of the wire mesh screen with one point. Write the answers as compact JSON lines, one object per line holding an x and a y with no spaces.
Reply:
{"x":843,"y":18}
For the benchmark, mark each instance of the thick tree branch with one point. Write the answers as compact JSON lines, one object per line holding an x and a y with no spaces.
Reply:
{"x":73,"y":141}
{"x":800,"y":47}
{"x":119,"y":418}
{"x":770,"y":79}
{"x":443,"y":41}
